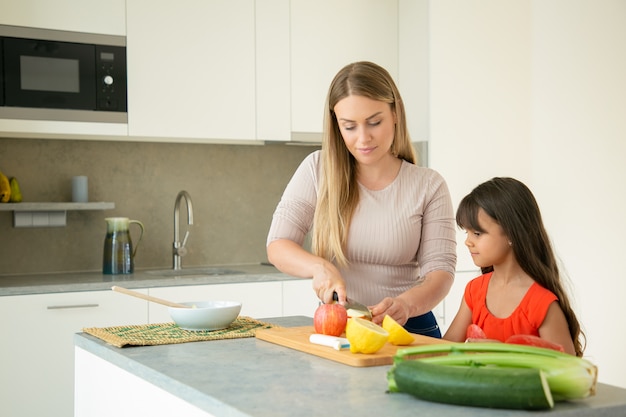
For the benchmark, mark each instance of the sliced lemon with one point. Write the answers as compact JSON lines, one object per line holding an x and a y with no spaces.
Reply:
{"x":365,"y":336}
{"x":398,"y":335}
{"x":355,"y":313}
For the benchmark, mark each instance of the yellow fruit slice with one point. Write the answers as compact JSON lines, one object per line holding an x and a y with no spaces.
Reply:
{"x":398,"y":335}
{"x":355,"y":313}
{"x":16,"y":193}
{"x":365,"y":336}
{"x":5,"y":189}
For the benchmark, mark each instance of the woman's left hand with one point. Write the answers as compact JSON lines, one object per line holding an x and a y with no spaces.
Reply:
{"x":397,"y":308}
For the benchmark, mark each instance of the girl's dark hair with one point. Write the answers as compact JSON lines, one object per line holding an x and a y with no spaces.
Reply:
{"x":512,"y":205}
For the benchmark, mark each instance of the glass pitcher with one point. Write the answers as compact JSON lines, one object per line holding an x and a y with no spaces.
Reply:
{"x":119,"y":255}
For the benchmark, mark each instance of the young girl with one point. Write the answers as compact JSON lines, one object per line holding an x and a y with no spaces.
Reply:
{"x":520,"y":291}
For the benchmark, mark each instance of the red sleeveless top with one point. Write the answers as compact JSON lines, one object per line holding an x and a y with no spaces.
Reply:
{"x":525,"y":319}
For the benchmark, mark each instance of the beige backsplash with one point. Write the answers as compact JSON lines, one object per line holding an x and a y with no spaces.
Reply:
{"x":234,"y":189}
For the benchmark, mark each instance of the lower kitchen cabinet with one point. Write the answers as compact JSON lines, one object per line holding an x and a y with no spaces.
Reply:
{"x":299,"y":299}
{"x":37,"y":347}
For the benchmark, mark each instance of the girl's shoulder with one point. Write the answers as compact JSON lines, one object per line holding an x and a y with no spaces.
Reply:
{"x":535,"y":304}
{"x":537,"y":295}
{"x":479,"y":284}
{"x":481,"y":280}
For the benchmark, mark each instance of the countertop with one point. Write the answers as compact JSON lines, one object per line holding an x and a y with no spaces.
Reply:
{"x":95,"y":281}
{"x":259,"y":379}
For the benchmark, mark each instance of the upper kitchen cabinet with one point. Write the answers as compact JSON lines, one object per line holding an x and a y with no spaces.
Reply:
{"x":325,"y":36}
{"x":414,"y":62}
{"x":89,"y":16}
{"x":273,"y":71}
{"x":191,"y":70}
{"x":66,"y":18}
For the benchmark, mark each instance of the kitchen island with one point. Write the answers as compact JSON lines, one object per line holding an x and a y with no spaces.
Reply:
{"x":251,"y":377}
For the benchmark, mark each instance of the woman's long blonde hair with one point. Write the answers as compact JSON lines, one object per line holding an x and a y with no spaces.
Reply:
{"x":339,"y":194}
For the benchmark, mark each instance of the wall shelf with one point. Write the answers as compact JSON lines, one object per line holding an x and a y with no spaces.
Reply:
{"x":48,"y":214}
{"x":56,"y":206}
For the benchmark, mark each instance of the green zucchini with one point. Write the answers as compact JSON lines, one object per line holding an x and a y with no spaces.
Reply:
{"x":478,"y":386}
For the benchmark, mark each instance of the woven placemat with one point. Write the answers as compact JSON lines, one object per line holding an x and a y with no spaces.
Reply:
{"x":169,"y":333}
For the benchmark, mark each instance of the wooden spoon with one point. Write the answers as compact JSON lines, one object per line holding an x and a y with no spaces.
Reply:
{"x":148,"y":297}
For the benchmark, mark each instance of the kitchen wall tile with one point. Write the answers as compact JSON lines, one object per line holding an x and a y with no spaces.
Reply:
{"x":234,"y":189}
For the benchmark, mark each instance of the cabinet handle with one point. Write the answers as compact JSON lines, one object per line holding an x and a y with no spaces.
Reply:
{"x":73,"y":306}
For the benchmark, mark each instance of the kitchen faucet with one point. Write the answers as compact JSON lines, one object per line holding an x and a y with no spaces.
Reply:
{"x":179,"y":248}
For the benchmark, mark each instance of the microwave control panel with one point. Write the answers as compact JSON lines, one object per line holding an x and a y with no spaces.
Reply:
{"x":111,"y":75}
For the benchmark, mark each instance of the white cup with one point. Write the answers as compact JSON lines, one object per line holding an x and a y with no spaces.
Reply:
{"x":80,"y":191}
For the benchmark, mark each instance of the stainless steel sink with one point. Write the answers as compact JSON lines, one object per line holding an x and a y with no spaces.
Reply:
{"x":193,"y":272}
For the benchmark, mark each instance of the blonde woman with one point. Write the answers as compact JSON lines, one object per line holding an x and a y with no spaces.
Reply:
{"x":383,"y":228}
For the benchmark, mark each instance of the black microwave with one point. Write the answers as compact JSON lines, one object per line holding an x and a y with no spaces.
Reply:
{"x":58,"y":75}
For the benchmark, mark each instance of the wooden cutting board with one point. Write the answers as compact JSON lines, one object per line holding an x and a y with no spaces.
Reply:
{"x":298,"y":338}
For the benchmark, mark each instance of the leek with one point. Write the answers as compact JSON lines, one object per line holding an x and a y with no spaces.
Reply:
{"x":569,"y":377}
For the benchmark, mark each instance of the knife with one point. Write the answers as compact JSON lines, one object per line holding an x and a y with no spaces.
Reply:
{"x":358,"y":309}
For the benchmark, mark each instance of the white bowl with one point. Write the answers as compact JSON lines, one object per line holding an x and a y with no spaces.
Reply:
{"x":205,"y":315}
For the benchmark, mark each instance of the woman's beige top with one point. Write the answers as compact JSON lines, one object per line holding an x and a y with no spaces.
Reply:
{"x":398,"y":234}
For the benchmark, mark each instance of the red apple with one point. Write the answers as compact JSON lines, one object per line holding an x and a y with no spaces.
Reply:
{"x":530,"y":340}
{"x":330,"y":319}
{"x":474,"y":332}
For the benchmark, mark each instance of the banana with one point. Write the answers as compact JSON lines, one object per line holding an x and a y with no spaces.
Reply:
{"x":16,"y":193}
{"x":5,"y":189}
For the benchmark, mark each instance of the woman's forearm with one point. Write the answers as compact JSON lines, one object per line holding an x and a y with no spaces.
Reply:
{"x":416,"y":301}
{"x":289,"y":257}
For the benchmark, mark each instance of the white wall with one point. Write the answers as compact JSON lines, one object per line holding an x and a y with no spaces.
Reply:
{"x":479,"y":94}
{"x":536,"y":90}
{"x":578,"y":160}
